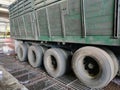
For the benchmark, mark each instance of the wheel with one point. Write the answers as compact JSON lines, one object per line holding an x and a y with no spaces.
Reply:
{"x":35,"y":55}
{"x":93,"y":66}
{"x":55,"y":62}
{"x":115,"y":61}
{"x":22,"y":51}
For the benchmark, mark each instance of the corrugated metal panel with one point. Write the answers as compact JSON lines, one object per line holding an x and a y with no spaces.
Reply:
{"x":73,"y":20}
{"x":21,"y":27}
{"x":99,"y":17}
{"x":20,"y":7}
{"x":54,"y":14}
{"x":28,"y":19}
{"x":42,"y":3}
{"x":38,"y":3}
{"x":16,"y":28}
{"x":12,"y":29}
{"x":42,"y":22}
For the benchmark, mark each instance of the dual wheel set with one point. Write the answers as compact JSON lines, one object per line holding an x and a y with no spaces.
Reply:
{"x":93,"y":66}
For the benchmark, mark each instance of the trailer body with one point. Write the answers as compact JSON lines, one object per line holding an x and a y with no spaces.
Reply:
{"x":68,"y":21}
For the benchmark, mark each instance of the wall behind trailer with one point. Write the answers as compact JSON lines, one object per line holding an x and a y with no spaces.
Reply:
{"x":64,"y":21}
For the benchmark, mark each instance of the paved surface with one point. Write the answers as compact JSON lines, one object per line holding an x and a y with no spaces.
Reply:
{"x":37,"y":79}
{"x":8,"y":82}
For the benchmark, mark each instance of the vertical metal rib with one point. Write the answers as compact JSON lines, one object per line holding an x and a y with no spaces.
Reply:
{"x":19,"y":27}
{"x":116,"y":19}
{"x":32,"y":23}
{"x":14,"y":28}
{"x":83,"y":30}
{"x":24,"y":26}
{"x":38,"y":26}
{"x":48,"y":22}
{"x":35,"y":25}
{"x":62,"y":20}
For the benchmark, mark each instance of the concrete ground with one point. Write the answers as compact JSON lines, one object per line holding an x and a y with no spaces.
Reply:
{"x":8,"y":82}
{"x":38,"y":79}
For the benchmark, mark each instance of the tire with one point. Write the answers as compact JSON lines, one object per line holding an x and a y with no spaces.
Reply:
{"x":35,"y":56}
{"x":93,"y":66}
{"x":22,"y":51}
{"x":115,"y":60}
{"x":55,"y":62}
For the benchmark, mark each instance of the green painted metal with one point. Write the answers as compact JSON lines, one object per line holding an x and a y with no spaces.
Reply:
{"x":98,"y":40}
{"x":99,"y":17}
{"x":67,"y":21}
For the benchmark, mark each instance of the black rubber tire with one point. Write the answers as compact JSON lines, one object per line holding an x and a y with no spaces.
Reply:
{"x":35,"y":56}
{"x":60,"y":58}
{"x":105,"y":64}
{"x":22,"y":51}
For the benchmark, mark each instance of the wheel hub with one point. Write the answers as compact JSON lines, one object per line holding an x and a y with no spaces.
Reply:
{"x":91,"y":66}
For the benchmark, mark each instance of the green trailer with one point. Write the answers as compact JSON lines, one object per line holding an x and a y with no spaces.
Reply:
{"x":52,"y":31}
